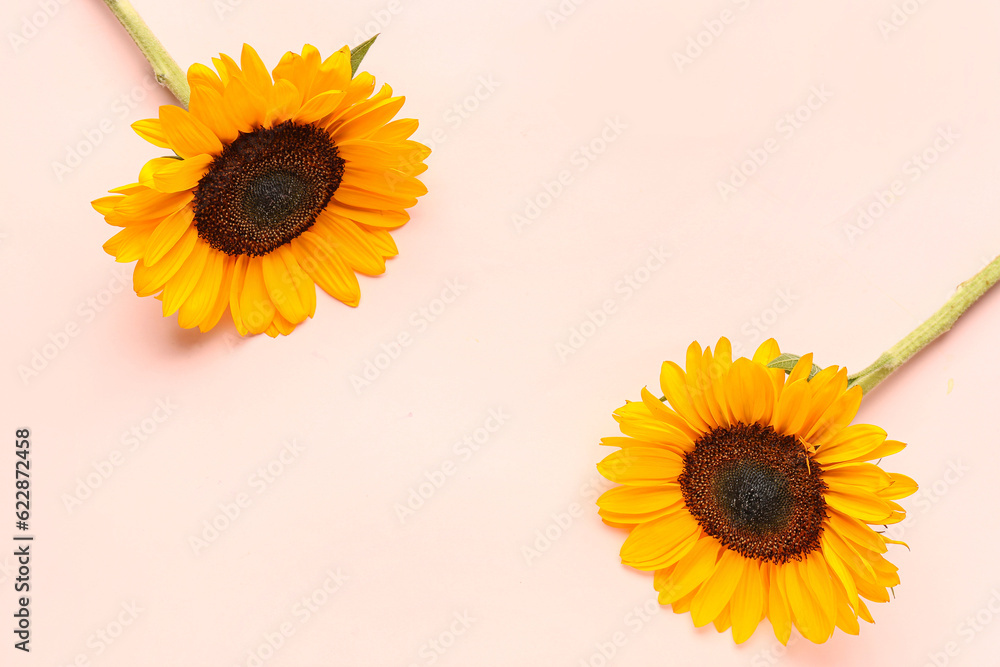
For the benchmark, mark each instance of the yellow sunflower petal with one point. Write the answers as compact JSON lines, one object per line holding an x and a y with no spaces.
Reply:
{"x":718,"y":589}
{"x":182,"y":284}
{"x":747,"y":605}
{"x":320,"y":106}
{"x":749,"y":393}
{"x":236,"y":293}
{"x":149,"y":279}
{"x":387,"y":183}
{"x":847,"y":620}
{"x":167,"y":234}
{"x":328,"y":270}
{"x":283,"y":103}
{"x":256,"y":75}
{"x":256,"y":307}
{"x":188,"y":136}
{"x":375,"y":218}
{"x":283,"y":279}
{"x":335,"y":72}
{"x":724,"y":619}
{"x":639,"y":499}
{"x":178,"y":175}
{"x":131,"y":242}
{"x":381,"y":241}
{"x":630,"y":519}
{"x":851,"y":557}
{"x":808,"y":616}
{"x":818,"y":577}
{"x":767,"y":352}
{"x":198,"y":305}
{"x":348,"y":241}
{"x":106,"y":205}
{"x":699,"y":384}
{"x":690,"y":571}
{"x":301,"y":70}
{"x":840,"y":414}
{"x":857,"y":503}
{"x":722,"y":362}
{"x":300,"y":281}
{"x":673,"y":384}
{"x":657,"y":410}
{"x":199,"y":75}
{"x":351,"y":196}
{"x":901,"y":486}
{"x":151,"y":167}
{"x":873,"y":592}
{"x":358,"y":91}
{"x":227,"y":68}
{"x":851,"y":443}
{"x":245,"y":109}
{"x":683,"y":605}
{"x":790,"y":409}
{"x":151,"y":129}
{"x":712,"y":374}
{"x":398,"y":130}
{"x":661,"y":542}
{"x":777,"y":604}
{"x":221,"y":301}
{"x":644,"y":427}
{"x":865,"y":476}
{"x":887,"y":448}
{"x":366,"y":123}
{"x":846,"y":617}
{"x":840,"y":570}
{"x":863,"y":612}
{"x":849,"y":528}
{"x":150,"y":204}
{"x":826,"y":387}
{"x":283,"y":326}
{"x":802,"y":369}
{"x":642,"y":466}
{"x":207,"y":106}
{"x":130,"y":189}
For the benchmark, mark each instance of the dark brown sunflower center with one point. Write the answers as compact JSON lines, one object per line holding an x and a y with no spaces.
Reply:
{"x":757,"y":492}
{"x":266,"y":188}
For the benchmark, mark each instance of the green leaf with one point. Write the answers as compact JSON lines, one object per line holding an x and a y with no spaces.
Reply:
{"x":358,"y":53}
{"x":787,"y":362}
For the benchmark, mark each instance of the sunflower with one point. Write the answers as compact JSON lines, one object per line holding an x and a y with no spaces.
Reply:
{"x":279,"y":182}
{"x":751,"y":496}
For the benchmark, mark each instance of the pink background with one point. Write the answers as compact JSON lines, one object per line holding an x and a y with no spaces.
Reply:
{"x":774,"y":258}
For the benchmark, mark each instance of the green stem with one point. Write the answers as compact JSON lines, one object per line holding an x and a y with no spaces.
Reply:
{"x":938,"y":323}
{"x":168,"y":72}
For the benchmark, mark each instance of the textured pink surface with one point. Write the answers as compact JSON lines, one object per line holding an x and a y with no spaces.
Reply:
{"x":781,"y":254}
